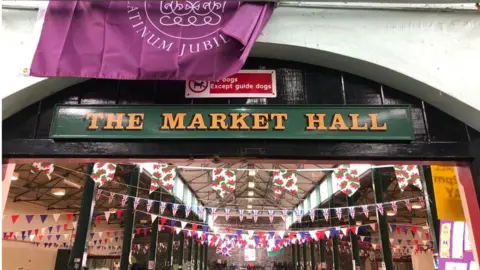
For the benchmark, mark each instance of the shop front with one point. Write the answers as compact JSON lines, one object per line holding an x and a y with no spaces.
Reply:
{"x":306,"y":167}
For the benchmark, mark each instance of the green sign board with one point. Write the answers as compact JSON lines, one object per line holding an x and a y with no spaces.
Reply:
{"x":230,"y":122}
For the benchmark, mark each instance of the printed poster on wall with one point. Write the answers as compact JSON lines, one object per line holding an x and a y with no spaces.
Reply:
{"x":244,"y":84}
{"x":453,"y":255}
{"x":445,"y":186}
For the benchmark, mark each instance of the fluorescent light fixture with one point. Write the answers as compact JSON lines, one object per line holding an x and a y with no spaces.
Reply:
{"x":112,"y":210}
{"x":250,"y":193}
{"x":14,"y":176}
{"x":358,"y":222}
{"x":58,"y":191}
{"x":390,"y":213}
{"x":72,"y":184}
{"x":252,"y":172}
{"x":250,"y":199}
{"x":416,"y":205}
{"x":249,"y":206}
{"x":251,"y":184}
{"x":143,"y":221}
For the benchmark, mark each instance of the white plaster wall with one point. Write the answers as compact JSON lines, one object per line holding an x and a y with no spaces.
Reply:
{"x":431,"y":55}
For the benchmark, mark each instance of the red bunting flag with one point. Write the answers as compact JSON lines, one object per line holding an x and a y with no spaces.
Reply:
{"x":414,"y":230}
{"x":137,"y":230}
{"x":14,"y":218}
{"x":36,"y":232}
{"x":119,"y":212}
{"x":98,"y":219}
{"x":65,"y":226}
{"x":163,"y":220}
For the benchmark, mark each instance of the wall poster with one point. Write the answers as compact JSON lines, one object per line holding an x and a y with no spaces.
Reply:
{"x":455,"y":247}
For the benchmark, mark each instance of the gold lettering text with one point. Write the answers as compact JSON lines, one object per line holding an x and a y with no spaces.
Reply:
{"x":197,"y":122}
{"x":218,"y":121}
{"x":239,"y":119}
{"x":338,"y":120}
{"x":259,"y":120}
{"x":279,"y":118}
{"x":316,"y":119}
{"x":373,"y":118}
{"x":94,"y":122}
{"x":135,"y":121}
{"x":354,"y":117}
{"x":112,"y":118}
{"x":170,"y":122}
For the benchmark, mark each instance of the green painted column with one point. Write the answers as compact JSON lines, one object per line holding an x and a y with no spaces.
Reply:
{"x":170,"y":250}
{"x":298,"y":257}
{"x":430,"y":204}
{"x":181,"y":250}
{"x":80,"y":246}
{"x":312,"y":255}
{"x":200,"y":256}
{"x":152,"y":253}
{"x":353,"y":237}
{"x":129,"y":220}
{"x":195,"y":254}
{"x":323,"y":255}
{"x":379,"y":185}
{"x":205,"y":257}
{"x":294,"y":259}
{"x":305,"y":256}
{"x":336,"y":253}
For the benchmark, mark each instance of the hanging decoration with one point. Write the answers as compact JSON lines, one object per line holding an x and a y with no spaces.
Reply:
{"x":46,"y":167}
{"x":408,"y":204}
{"x":338,"y":211}
{"x":174,"y":209}
{"x":351,"y":211}
{"x":124,"y":200}
{"x":326,"y":213}
{"x":407,"y":175}
{"x":163,"y":205}
{"x":110,"y":197}
{"x":255,"y":215}
{"x":223,"y":181}
{"x":103,"y":172}
{"x":284,"y":180}
{"x":227,"y":213}
{"x":271,"y":215}
{"x":149,"y":205}
{"x":299,"y":214}
{"x":136,"y":201}
{"x":365,"y":210}
{"x":98,"y":194}
{"x":312,"y":214}
{"x":241,"y":213}
{"x":213,"y":211}
{"x":347,"y":180}
{"x":163,"y":176}
{"x":380,"y":208}
{"x":200,"y":210}
{"x":284,"y":214}
{"x":394,"y":207}
{"x":188,"y":209}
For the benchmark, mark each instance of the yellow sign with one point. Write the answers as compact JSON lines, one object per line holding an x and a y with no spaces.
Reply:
{"x":447,"y":195}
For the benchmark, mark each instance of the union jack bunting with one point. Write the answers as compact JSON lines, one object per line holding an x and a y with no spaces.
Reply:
{"x":338,"y":211}
{"x":271,"y":214}
{"x":174,"y":209}
{"x":135,"y":203}
{"x":200,"y":210}
{"x":99,"y":193}
{"x":149,"y":205}
{"x":110,"y":197}
{"x":241,"y":214}
{"x":284,"y":214}
{"x":326,"y":213}
{"x":351,"y":211}
{"x":408,"y":204}
{"x":380,"y":208}
{"x":394,"y":207}
{"x":255,"y":215}
{"x":213,"y":211}
{"x":312,"y":214}
{"x":188,"y":209}
{"x":163,"y":205}
{"x":227,"y":213}
{"x":365,"y":210}
{"x":124,"y":200}
{"x":299,"y":214}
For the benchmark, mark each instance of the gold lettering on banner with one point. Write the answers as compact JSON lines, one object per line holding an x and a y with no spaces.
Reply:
{"x":374,"y":120}
{"x":338,"y":121}
{"x":170,"y":122}
{"x":218,"y":121}
{"x":354,"y":117}
{"x":114,"y":118}
{"x":260,"y":121}
{"x":279,"y":118}
{"x":94,"y":120}
{"x":135,"y":121}
{"x":238,"y":121}
{"x":197,"y":122}
{"x":314,"y":120}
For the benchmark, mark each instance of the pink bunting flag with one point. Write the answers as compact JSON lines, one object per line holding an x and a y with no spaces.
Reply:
{"x":124,"y":200}
{"x":365,"y":210}
{"x":149,"y":205}
{"x":163,"y":205}
{"x":188,"y":209}
{"x":351,"y":211}
{"x":312,"y":214}
{"x":103,"y":172}
{"x":338,"y":211}
{"x":326,"y":213}
{"x":213,"y":211}
{"x":380,"y":208}
{"x":45,"y":167}
{"x":223,"y":181}
{"x":174,"y":209}
{"x":135,"y":203}
{"x":111,"y":197}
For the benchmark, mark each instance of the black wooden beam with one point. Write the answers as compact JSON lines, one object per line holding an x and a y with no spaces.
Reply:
{"x":279,"y":149}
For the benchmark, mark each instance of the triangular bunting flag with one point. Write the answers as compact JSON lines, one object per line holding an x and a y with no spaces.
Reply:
{"x":98,"y":194}
{"x":338,"y":211}
{"x":164,"y":176}
{"x":110,"y":197}
{"x":118,"y":212}
{"x":351,"y":211}
{"x":188,"y":209}
{"x":55,"y":217}
{"x":163,"y":205}
{"x":107,"y":215}
{"x":14,"y":218}
{"x":174,"y":209}
{"x":183,"y":224}
{"x":74,"y":225}
{"x":43,"y":218}
{"x":69,"y":216}
{"x":326,"y":213}
{"x":29,"y":218}
{"x":373,"y":226}
{"x":124,"y":200}
{"x":312,"y":214}
{"x":408,"y":204}
{"x":46,"y":167}
{"x":241,"y":213}
{"x":149,"y":205}
{"x":153,"y":217}
{"x":394,"y":207}
{"x":136,"y":201}
{"x":327,"y":234}
{"x":380,"y":208}
{"x":284,"y":180}
{"x":407,"y":175}
{"x":365,"y":210}
{"x":347,"y":180}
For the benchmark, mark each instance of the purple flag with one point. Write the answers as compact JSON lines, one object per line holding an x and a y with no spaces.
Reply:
{"x":43,"y":218}
{"x":29,"y":218}
{"x":152,"y":40}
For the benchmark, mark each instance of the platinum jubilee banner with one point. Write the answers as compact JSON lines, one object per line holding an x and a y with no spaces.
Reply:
{"x":151,"y":40}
